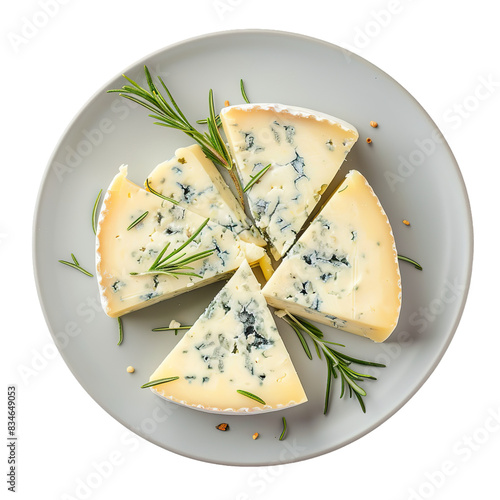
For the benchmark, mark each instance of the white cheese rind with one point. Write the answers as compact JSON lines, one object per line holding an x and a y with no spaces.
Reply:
{"x":234,"y":345}
{"x":343,"y":271}
{"x":120,"y":252}
{"x":305,"y":149}
{"x":193,"y":181}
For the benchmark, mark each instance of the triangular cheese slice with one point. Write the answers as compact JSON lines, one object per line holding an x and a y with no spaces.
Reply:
{"x":233,"y":346}
{"x":343,"y":271}
{"x":192,"y":180}
{"x":305,"y":150}
{"x":122,"y":250}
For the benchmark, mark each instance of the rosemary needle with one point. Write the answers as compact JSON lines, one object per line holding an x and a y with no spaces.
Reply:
{"x":139,"y":219}
{"x":251,"y":396}
{"x":169,"y":328}
{"x":151,"y":190}
{"x":94,"y":212}
{"x":255,"y":178}
{"x":411,"y":261}
{"x":158,"y":382}
{"x":283,"y":432}
{"x":76,"y":265}
{"x":243,"y":93}
{"x":120,"y":330}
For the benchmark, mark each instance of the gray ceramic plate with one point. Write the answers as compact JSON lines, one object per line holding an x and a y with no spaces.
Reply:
{"x":409,"y":166}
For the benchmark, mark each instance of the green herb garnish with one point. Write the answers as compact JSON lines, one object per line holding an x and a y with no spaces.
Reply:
{"x":168,"y":328}
{"x":139,"y":219}
{"x":94,"y":212}
{"x":411,"y":261}
{"x":170,"y":115}
{"x":337,"y":362}
{"x":173,"y":264}
{"x":251,"y":396}
{"x":243,"y":93}
{"x":283,"y":432}
{"x":120,"y":330}
{"x":151,"y":190}
{"x":158,"y":382}
{"x":255,"y":178}
{"x":75,"y":265}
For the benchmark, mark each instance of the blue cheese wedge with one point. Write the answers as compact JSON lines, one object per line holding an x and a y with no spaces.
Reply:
{"x":125,"y":247}
{"x":194,"y":182}
{"x":233,"y":346}
{"x":343,"y":271}
{"x":305,"y":150}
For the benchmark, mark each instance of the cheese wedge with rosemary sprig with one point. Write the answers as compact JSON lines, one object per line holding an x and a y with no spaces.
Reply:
{"x":194,"y":182}
{"x":304,"y":149}
{"x":232,"y":354}
{"x":343,"y":271}
{"x":148,"y":249}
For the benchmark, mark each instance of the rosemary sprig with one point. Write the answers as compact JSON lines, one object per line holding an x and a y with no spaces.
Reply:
{"x":411,"y":261}
{"x":243,"y":93}
{"x":139,"y":219}
{"x":255,"y":178}
{"x":171,"y":328}
{"x":151,"y":190}
{"x":75,"y":265}
{"x":283,"y":432}
{"x":251,"y":396}
{"x":170,"y":115}
{"x":158,"y":382}
{"x":173,"y":264}
{"x":120,"y":330}
{"x":94,"y":212}
{"x":338,"y":364}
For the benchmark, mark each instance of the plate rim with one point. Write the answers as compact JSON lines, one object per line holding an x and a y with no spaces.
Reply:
{"x":468,"y":228}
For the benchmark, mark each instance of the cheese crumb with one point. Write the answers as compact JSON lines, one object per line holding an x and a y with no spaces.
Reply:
{"x":406,"y":222}
{"x":130,"y":369}
{"x":174,"y":324}
{"x":374,"y":124}
{"x":255,"y":436}
{"x":281,"y":313}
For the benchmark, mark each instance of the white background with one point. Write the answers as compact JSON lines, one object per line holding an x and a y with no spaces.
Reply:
{"x":444,"y":443}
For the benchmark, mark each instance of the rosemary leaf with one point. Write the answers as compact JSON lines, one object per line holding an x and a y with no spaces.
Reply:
{"x":158,"y":382}
{"x":411,"y":261}
{"x":243,"y":93}
{"x":302,"y":341}
{"x":168,"y":328}
{"x":139,"y":219}
{"x":251,"y":396}
{"x":255,"y":178}
{"x":76,"y":266}
{"x":283,"y":432}
{"x":120,"y":330}
{"x":94,"y":212}
{"x":151,"y":190}
{"x":330,"y":369}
